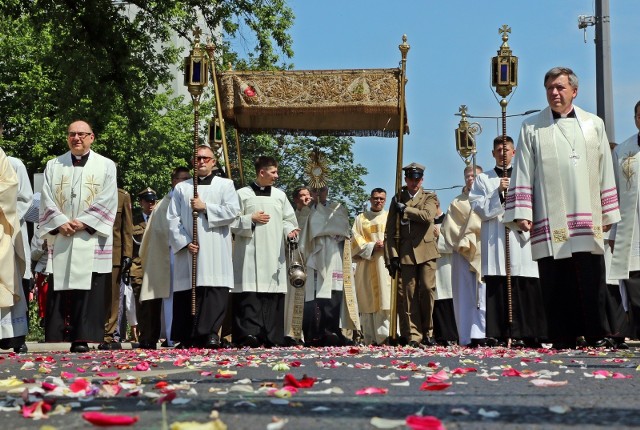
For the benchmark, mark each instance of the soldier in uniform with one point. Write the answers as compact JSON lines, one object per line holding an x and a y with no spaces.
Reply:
{"x":122,"y":252}
{"x":147,"y":311}
{"x":415,"y":257}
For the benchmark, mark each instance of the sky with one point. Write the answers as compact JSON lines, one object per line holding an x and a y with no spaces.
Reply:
{"x":452,"y":43}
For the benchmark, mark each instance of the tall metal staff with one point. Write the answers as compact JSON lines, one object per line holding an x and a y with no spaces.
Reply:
{"x":404,"y":49}
{"x":219,"y":121}
{"x":504,"y":77}
{"x":466,"y":146}
{"x":196,"y":75}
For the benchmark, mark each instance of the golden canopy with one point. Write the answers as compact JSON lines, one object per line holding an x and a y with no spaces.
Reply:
{"x":359,"y":102}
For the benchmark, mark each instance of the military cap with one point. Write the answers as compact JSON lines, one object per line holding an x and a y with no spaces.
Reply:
{"x":413,"y":170}
{"x":148,"y":194}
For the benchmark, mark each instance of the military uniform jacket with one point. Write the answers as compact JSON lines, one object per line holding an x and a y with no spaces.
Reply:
{"x":122,"y":229}
{"x":139,"y":226}
{"x":417,"y":239}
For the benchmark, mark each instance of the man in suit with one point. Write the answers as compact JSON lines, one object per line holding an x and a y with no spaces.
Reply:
{"x":414,"y":256}
{"x":122,"y":252}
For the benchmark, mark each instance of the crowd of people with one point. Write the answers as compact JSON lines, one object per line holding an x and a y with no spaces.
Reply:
{"x":543,"y":248}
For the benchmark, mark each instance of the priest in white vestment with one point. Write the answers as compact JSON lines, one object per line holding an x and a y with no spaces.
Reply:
{"x":373,"y":283}
{"x":445,"y":330}
{"x":528,"y":322}
{"x":24,"y":201}
{"x":461,"y":231}
{"x":266,"y":221}
{"x":77,"y":211}
{"x":563,"y":192}
{"x":294,"y":299}
{"x":322,"y":245}
{"x":13,"y":308}
{"x":625,"y":261}
{"x":217,"y":207}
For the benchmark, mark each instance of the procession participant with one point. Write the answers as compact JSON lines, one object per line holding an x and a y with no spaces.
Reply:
{"x":625,"y":236}
{"x":415,"y":256}
{"x":25,"y":199}
{"x":13,"y":308}
{"x":156,"y":286}
{"x":217,"y":207}
{"x":148,"y":312}
{"x":445,"y":330}
{"x":527,"y":310}
{"x":373,"y":284}
{"x":77,"y":210}
{"x":294,"y":299}
{"x":563,"y":191}
{"x":122,"y":252}
{"x":461,"y":231}
{"x":322,"y":244}
{"x":266,"y":220}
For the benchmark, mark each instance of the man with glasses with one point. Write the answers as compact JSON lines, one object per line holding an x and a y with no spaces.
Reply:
{"x":217,"y":206}
{"x":77,"y":210}
{"x":373,"y":283}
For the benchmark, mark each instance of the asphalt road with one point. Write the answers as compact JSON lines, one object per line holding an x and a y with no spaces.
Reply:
{"x":463,"y":388}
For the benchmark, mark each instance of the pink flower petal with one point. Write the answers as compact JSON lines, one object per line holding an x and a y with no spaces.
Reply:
{"x":371,"y":390}
{"x":417,"y":422}
{"x":438,"y":377}
{"x":434,"y":387}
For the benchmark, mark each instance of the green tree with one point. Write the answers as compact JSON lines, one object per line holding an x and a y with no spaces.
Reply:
{"x":110,"y":62}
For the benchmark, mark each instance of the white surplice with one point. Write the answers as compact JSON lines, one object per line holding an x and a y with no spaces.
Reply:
{"x":485,"y":201}
{"x":568,"y":196}
{"x":88,"y":194}
{"x":626,"y":255}
{"x":259,"y":260}
{"x":13,"y":309}
{"x":25,"y":198}
{"x":214,"y":265}
{"x":155,"y":254}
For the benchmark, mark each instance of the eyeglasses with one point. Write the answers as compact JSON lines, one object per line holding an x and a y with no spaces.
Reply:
{"x":203,"y":158}
{"x":80,"y":134}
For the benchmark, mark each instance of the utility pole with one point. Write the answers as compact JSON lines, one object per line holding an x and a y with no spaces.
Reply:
{"x":604,"y":86}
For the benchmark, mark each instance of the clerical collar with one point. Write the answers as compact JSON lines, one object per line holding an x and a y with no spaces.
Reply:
{"x":206,"y":180}
{"x":79,"y":160}
{"x":500,"y":171}
{"x":571,"y":114}
{"x":261,"y":191}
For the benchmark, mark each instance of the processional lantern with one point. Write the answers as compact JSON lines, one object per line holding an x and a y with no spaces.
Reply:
{"x":466,"y":137}
{"x":504,"y":77}
{"x":196,"y":78}
{"x":196,"y":71}
{"x":504,"y":66}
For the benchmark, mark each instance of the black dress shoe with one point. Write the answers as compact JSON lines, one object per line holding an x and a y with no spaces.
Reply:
{"x":213,"y":342}
{"x":331,"y":339}
{"x":415,"y":344}
{"x":22,"y":349}
{"x":581,"y":342}
{"x":622,"y":345}
{"x":110,"y":346}
{"x":249,"y":341}
{"x":428,"y":341}
{"x":604,"y":343}
{"x":290,"y":341}
{"x":518,"y":343}
{"x":79,"y":347}
{"x":145,"y":344}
